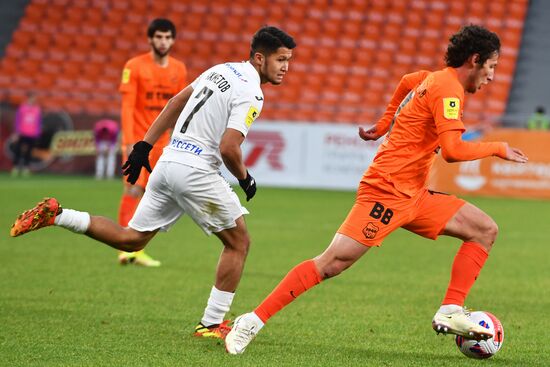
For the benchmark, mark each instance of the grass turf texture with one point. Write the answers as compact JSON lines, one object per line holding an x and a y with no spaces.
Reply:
{"x":64,"y":301}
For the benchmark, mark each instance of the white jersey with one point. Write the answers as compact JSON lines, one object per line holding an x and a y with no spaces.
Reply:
{"x":225,"y":96}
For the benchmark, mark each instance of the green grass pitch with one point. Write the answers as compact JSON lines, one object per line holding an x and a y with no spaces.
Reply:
{"x":64,"y":300}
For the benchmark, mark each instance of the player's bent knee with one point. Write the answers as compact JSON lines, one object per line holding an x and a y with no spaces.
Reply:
{"x":237,"y":241}
{"x":491,"y":232}
{"x":487,"y":233}
{"x":242,"y":244}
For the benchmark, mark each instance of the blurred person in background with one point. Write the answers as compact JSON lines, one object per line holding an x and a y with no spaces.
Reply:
{"x":106,"y":139}
{"x":539,"y":120}
{"x":211,"y":118}
{"x":148,"y":82}
{"x":28,"y":126}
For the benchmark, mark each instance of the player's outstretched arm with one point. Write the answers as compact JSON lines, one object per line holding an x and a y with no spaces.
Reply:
{"x":139,"y":157}
{"x":406,"y":84}
{"x":515,"y":155}
{"x":454,"y":149}
{"x":168,"y":116}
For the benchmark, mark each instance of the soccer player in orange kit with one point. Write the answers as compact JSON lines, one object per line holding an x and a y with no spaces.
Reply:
{"x":422,"y":119}
{"x":148,"y":82}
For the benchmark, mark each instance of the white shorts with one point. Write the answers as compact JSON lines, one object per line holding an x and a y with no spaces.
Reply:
{"x":175,"y":189}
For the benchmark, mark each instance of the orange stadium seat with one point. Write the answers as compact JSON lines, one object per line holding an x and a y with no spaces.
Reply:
{"x":42,"y":40}
{"x":85,"y":42}
{"x":33,"y":14}
{"x":9,"y":66}
{"x":44,"y":81}
{"x":17,"y":95}
{"x":22,"y":38}
{"x":276,"y":13}
{"x":50,"y":67}
{"x":37,"y":53}
{"x":75,"y":14}
{"x":95,"y":107}
{"x":76,"y":55}
{"x":27,"y":67}
{"x":350,"y":55}
{"x":477,"y":9}
{"x":29,"y":25}
{"x":62,"y":41}
{"x":94,"y":16}
{"x":5,"y":84}
{"x":14,"y":52}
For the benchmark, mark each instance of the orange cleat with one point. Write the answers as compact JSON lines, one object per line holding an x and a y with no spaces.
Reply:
{"x":42,"y":215}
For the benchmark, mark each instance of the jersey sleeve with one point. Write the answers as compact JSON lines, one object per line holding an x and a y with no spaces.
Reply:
{"x":128,"y":89}
{"x":446,"y":101}
{"x":454,"y":149}
{"x":128,"y":80}
{"x":244,"y":110}
{"x":406,"y":84}
{"x":182,"y":82}
{"x":196,"y":82}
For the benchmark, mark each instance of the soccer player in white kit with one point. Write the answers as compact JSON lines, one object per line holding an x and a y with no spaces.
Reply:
{"x":211,"y":118}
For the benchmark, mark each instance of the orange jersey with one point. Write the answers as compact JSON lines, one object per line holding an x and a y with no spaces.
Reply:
{"x":407,"y":83}
{"x":433,"y":106}
{"x":146,"y":87}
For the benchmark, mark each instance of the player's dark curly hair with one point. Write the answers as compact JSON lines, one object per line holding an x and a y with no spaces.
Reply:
{"x":268,"y":39}
{"x":471,"y":39}
{"x":161,"y":24}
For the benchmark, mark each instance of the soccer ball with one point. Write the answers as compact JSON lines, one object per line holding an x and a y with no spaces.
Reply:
{"x":484,"y":348}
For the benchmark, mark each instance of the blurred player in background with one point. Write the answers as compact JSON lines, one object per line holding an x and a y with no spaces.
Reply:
{"x":212,"y":117}
{"x":539,"y":120}
{"x":423,"y":118}
{"x":148,"y":82}
{"x":106,"y":139}
{"x":28,"y":127}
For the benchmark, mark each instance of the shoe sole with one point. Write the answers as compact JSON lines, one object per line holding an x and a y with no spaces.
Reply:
{"x":446,"y":329}
{"x":145,"y":265}
{"x":201,"y":335}
{"x":221,"y":335}
{"x":125,"y":261}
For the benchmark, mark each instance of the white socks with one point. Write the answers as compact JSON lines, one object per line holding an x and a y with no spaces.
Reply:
{"x":73,"y":220}
{"x":218,"y":304}
{"x":449,"y":309}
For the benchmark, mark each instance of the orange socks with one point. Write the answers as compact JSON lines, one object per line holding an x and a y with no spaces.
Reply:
{"x":467,"y":264}
{"x":128,"y":205}
{"x":302,"y":277}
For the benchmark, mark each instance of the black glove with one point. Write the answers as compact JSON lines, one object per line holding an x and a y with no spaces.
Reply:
{"x":249,"y":186}
{"x":139,"y":157}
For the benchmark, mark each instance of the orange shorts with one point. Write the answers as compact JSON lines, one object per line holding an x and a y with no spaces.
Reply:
{"x":154,"y":156}
{"x":377,"y":213}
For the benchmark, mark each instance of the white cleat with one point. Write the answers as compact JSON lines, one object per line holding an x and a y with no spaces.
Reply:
{"x":459,"y":323}
{"x":244,"y":330}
